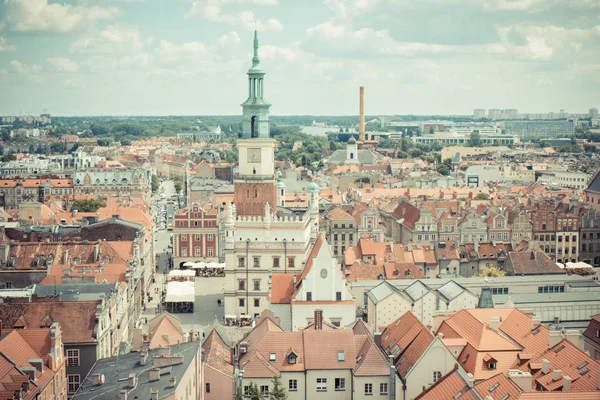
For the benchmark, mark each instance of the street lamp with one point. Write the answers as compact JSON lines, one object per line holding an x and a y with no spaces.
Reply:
{"x":239,"y":377}
{"x":247,"y":281}
{"x":285,"y":255}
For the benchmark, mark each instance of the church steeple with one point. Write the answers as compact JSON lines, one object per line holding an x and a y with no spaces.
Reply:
{"x":256,"y":107}
{"x":255,"y":58}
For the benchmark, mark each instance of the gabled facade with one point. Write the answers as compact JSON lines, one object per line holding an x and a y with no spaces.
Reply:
{"x":321,"y":285}
{"x":314,"y":363}
{"x":195,"y":235}
{"x":420,"y":358}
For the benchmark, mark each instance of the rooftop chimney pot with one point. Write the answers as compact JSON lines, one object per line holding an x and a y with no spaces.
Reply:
{"x":545,"y":366}
{"x":318,"y":319}
{"x":556,"y":375}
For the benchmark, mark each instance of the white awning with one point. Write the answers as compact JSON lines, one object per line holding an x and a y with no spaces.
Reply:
{"x":201,"y":265}
{"x":230,"y":316}
{"x":185,"y":272}
{"x":180,"y":292}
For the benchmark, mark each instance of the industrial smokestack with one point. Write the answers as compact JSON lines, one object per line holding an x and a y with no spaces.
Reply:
{"x":361,"y":116}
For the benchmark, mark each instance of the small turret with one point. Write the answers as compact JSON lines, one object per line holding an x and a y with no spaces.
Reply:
{"x":280,"y":190}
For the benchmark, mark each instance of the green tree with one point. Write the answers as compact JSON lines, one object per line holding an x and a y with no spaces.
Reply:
{"x":475,"y":139}
{"x":58,"y":147}
{"x":253,"y":392}
{"x":8,"y":157}
{"x":103,"y":142}
{"x":178,"y":185}
{"x":278,"y":392}
{"x":154,"y":183}
{"x":87,"y":205}
{"x":482,"y":196}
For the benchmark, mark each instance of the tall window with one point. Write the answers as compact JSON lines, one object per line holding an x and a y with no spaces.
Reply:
{"x":383,"y":388}
{"x":241,"y":302}
{"x":368,"y":388}
{"x":321,"y":384}
{"x":183,"y":237}
{"x":197,"y":237}
{"x":197,"y":251}
{"x":210,"y":237}
{"x":256,"y":302}
{"x":73,"y":358}
{"x":74,"y":382}
{"x":308,"y":296}
{"x":184,"y":252}
{"x":257,"y":285}
{"x":210,"y":251}
{"x":257,"y":261}
{"x":291,"y":262}
{"x":241,"y":262}
{"x":264,"y":390}
{"x":275,"y":262}
{"x":340,"y":383}
{"x":241,"y":285}
{"x":293,"y":385}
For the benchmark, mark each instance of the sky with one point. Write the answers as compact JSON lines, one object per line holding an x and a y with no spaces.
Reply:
{"x":190,"y":57}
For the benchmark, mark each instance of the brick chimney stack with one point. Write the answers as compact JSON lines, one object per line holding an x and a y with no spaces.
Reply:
{"x":361,"y":115}
{"x":318,"y":319}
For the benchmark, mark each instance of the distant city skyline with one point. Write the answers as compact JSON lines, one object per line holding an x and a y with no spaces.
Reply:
{"x":159,"y":57}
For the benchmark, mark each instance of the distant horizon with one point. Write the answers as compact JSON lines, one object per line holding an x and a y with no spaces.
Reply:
{"x":372,"y":115}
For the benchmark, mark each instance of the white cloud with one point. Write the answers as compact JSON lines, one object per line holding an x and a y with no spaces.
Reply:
{"x":113,"y":39}
{"x":5,"y":47}
{"x":20,"y":68}
{"x":212,"y":10}
{"x":17,"y":66}
{"x":41,"y":16}
{"x":63,"y":64}
{"x":337,"y":40}
{"x":169,"y":52}
{"x":230,"y":38}
{"x":288,"y":54}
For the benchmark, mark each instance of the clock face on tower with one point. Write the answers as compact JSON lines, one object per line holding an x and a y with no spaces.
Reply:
{"x":253,"y":155}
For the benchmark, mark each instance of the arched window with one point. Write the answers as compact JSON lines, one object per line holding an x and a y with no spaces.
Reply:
{"x":352,"y":156}
{"x":255,"y":193}
{"x":253,"y":130}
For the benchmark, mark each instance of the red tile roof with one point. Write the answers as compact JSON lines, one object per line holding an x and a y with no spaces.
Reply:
{"x":575,"y":363}
{"x":218,"y":354}
{"x":593,"y":327}
{"x":77,"y":319}
{"x":533,"y":262}
{"x":282,"y":288}
{"x":406,"y":339}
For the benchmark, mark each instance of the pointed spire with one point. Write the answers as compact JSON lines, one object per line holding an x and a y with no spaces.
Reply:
{"x":255,"y":59}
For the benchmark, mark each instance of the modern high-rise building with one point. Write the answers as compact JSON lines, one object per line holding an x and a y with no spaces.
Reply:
{"x":540,"y":129}
{"x":262,"y":236}
{"x":479,"y":113}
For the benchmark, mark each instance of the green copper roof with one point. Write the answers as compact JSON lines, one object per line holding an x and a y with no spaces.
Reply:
{"x":255,"y":59}
{"x":313,"y":187}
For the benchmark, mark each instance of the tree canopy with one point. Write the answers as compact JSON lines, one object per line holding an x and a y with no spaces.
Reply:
{"x":87,"y":205}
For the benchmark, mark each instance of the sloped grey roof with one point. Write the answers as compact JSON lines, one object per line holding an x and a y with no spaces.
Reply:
{"x":366,"y":156}
{"x":594,"y":186}
{"x":451,"y":290}
{"x":381,"y":291}
{"x":417,"y":290}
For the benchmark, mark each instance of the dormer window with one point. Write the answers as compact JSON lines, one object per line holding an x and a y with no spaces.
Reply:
{"x":292,"y":358}
{"x":491,"y":365}
{"x":272,"y":357}
{"x":341,"y":355}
